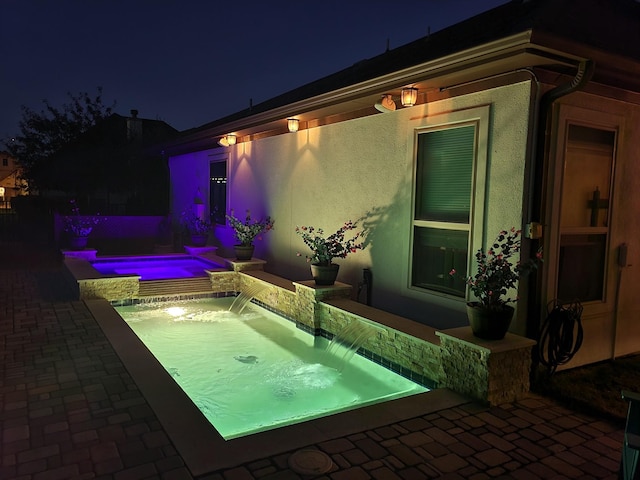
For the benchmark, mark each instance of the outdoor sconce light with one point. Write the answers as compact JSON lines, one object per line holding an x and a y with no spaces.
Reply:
{"x":409,"y":96}
{"x":293,"y":124}
{"x":386,"y":104}
{"x":227,"y":140}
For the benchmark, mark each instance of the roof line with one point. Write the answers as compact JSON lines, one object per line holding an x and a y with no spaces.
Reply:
{"x":447,"y":64}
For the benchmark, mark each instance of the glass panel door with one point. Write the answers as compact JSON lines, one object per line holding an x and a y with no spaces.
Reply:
{"x":585,"y":213}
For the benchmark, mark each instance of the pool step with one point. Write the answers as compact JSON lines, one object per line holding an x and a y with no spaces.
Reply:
{"x":180,"y":286}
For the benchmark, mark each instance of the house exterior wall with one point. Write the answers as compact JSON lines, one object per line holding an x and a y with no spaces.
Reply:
{"x":626,"y":316}
{"x":189,"y":174}
{"x":362,"y":170}
{"x":10,"y":185}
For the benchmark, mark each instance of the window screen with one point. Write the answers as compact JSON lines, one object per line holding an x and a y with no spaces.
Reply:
{"x":444,"y":167}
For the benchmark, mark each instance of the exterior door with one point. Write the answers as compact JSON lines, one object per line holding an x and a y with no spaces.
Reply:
{"x":581,"y":248}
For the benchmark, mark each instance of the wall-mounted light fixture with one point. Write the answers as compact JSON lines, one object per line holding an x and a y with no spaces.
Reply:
{"x":293,"y":124}
{"x":409,"y":96}
{"x":386,"y":103}
{"x":227,"y":140}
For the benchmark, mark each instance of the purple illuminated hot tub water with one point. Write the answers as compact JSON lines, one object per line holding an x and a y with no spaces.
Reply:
{"x":156,"y":267}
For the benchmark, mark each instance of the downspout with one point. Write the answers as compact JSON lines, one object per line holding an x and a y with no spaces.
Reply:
{"x":582,"y":77}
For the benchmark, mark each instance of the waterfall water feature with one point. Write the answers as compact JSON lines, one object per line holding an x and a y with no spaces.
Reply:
{"x":241,"y":301}
{"x":348,"y":340}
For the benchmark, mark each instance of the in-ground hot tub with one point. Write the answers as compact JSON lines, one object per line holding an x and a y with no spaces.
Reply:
{"x":130,"y":277}
{"x":155,"y":267}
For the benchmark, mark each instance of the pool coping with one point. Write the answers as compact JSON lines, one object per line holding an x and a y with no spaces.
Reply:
{"x":203,"y":448}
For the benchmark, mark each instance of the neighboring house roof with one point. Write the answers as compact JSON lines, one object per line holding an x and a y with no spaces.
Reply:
{"x":131,"y":134}
{"x":556,"y":34}
{"x":105,"y":148}
{"x":118,"y":128}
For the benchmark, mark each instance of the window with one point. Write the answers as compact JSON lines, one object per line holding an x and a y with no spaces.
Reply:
{"x":450,"y":149}
{"x":218,"y":191}
{"x":445,"y":159}
{"x":5,"y":162}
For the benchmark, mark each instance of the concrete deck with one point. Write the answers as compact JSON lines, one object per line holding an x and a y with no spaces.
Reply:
{"x":69,"y":409}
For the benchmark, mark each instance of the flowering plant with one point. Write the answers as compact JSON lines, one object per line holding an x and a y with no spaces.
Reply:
{"x":194,"y":224}
{"x":246,"y":232}
{"x":79,"y":225}
{"x":496,"y":272}
{"x":324,"y":250}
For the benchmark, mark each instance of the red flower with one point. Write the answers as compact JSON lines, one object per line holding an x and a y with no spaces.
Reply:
{"x":496,"y":273}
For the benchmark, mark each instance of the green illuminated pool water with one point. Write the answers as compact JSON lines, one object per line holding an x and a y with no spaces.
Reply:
{"x":256,"y":371}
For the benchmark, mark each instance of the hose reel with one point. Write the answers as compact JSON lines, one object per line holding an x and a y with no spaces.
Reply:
{"x":561,"y":334}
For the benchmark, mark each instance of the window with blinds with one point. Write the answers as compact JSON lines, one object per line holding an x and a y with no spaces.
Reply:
{"x":442,"y":211}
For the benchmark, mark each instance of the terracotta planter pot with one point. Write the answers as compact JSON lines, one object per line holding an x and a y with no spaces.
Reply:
{"x":78,"y":243}
{"x":325,"y":274}
{"x":244,"y":252}
{"x":199,"y":240}
{"x":489,"y":324}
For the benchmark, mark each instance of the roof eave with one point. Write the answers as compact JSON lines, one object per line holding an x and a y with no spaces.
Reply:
{"x":505,"y":54}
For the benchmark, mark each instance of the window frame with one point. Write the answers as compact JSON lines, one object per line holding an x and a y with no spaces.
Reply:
{"x":219,"y":158}
{"x":479,"y":117}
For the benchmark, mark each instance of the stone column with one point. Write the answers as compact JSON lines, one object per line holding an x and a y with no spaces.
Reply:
{"x":490,"y":371}
{"x":308,"y":295}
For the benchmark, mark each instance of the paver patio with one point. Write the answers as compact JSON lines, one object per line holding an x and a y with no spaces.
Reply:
{"x":70,"y":410}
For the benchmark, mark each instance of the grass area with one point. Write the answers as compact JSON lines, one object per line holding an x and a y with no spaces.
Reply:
{"x":593,"y":389}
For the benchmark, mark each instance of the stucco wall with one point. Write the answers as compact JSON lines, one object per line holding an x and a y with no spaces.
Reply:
{"x":362,"y":169}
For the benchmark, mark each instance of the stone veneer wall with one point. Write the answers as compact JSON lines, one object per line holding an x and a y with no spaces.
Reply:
{"x":222,"y":282}
{"x":416,"y":357}
{"x":411,"y":353}
{"x":309,"y":301}
{"x":493,"y":372}
{"x":283,"y":300}
{"x":109,"y":288}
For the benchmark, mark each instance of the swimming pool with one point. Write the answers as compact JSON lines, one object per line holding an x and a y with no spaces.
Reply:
{"x":256,"y":371}
{"x":156,"y":267}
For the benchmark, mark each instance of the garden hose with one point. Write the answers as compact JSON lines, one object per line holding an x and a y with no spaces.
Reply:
{"x":561,"y":334}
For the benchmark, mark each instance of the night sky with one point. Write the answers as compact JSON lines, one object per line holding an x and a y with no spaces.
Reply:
{"x":189,"y":62}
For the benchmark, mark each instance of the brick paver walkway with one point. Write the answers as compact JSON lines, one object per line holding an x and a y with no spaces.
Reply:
{"x":69,"y":410}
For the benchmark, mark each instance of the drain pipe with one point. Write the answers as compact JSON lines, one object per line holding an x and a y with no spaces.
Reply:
{"x":582,"y":77}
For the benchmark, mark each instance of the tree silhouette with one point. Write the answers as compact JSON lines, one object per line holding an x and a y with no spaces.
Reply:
{"x":45,"y":133}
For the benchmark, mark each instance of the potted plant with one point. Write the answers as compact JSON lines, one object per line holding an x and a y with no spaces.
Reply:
{"x":246,"y":232}
{"x":78,"y":227}
{"x":325,"y":249}
{"x":490,"y":316}
{"x":198,"y":228}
